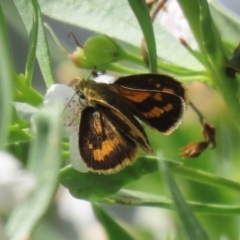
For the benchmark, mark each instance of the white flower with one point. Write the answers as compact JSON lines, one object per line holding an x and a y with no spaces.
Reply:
{"x":73,"y":107}
{"x":16,"y":184}
{"x":65,"y":95}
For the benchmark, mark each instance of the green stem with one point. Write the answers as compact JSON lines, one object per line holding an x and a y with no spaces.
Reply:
{"x":191,"y":78}
{"x":128,"y":56}
{"x":176,"y":70}
{"x":124,"y":197}
{"x":122,"y":69}
{"x":204,"y":177}
{"x":168,"y":68}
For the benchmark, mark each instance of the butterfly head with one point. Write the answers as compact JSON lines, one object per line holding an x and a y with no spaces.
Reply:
{"x":80,"y":88}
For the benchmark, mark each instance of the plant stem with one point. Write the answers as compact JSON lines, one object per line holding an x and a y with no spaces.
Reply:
{"x":130,"y":198}
{"x":204,"y":177}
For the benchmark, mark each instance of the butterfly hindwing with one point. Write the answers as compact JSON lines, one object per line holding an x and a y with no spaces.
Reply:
{"x":101,"y":95}
{"x":102,"y":147}
{"x":125,"y":128}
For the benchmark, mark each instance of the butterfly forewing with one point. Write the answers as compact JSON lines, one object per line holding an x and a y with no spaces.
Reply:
{"x":157,"y":82}
{"x":160,"y":110}
{"x":102,"y":147}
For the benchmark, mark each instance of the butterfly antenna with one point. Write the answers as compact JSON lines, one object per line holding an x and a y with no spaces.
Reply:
{"x":93,"y":73}
{"x":70,"y":101}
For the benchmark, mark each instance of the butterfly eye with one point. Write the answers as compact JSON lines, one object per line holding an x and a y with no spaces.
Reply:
{"x":82,"y":96}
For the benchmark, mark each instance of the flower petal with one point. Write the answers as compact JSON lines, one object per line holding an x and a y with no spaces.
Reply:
{"x":72,"y":105}
{"x":75,"y":157}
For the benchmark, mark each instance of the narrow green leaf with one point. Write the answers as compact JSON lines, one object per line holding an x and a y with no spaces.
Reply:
{"x":113,"y":229}
{"x":202,"y":25}
{"x":192,"y":12}
{"x":191,"y":225}
{"x":94,"y":186}
{"x":6,"y":82}
{"x":226,"y":21}
{"x":25,"y":9}
{"x":135,"y":198}
{"x":205,"y":177}
{"x":141,"y":12}
{"x":210,"y":36}
{"x":44,"y":163}
{"x":32,"y":46}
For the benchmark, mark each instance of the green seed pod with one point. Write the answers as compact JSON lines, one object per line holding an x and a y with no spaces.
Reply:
{"x":102,"y":50}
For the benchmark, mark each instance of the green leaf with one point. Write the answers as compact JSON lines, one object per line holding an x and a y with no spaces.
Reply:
{"x":25,"y":9}
{"x":206,"y":34}
{"x":135,"y":198}
{"x":103,"y":18}
{"x":141,"y":12}
{"x":6,"y":82}
{"x":44,"y":163}
{"x":113,"y":229}
{"x":212,"y":49}
{"x":32,"y":46}
{"x":233,"y":64}
{"x":210,"y":36}
{"x":226,"y":21}
{"x":95,"y":186}
{"x":191,"y":11}
{"x":205,"y":177}
{"x":191,"y":225}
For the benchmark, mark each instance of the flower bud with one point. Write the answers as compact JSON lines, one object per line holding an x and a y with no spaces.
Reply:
{"x":101,"y":50}
{"x":80,"y":60}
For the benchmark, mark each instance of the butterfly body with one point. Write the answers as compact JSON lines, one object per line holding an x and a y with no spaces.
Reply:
{"x":110,"y":131}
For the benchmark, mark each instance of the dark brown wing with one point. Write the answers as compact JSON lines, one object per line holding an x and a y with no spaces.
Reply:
{"x":102,"y":147}
{"x":116,"y":107}
{"x":160,"y":110}
{"x":157,"y":82}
